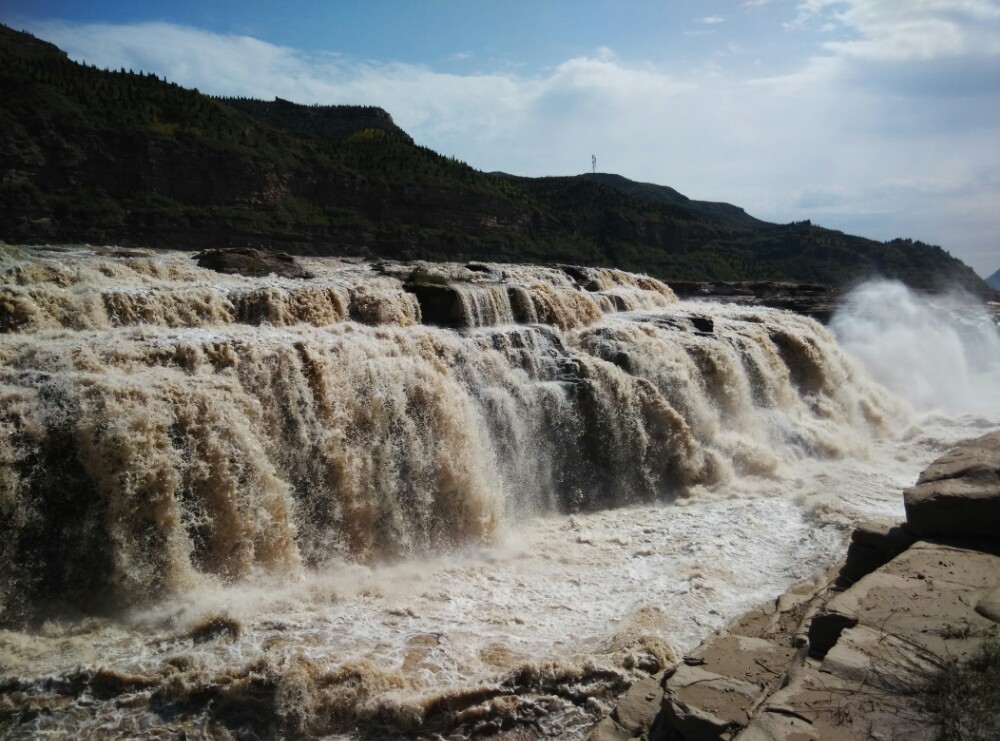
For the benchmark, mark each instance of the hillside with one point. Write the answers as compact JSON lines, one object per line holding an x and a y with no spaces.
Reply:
{"x":98,"y":156}
{"x":994,"y":281}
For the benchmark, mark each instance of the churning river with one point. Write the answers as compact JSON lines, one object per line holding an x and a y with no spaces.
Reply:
{"x":424,"y":500}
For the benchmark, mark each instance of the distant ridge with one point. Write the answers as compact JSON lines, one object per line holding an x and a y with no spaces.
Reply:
{"x":994,"y":281}
{"x":723,"y":213}
{"x":124,"y":157}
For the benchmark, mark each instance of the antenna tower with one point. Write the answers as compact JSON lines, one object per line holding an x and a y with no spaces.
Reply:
{"x":593,"y":163}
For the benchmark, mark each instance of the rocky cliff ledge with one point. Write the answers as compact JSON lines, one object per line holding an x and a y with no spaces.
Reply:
{"x":862,"y":650}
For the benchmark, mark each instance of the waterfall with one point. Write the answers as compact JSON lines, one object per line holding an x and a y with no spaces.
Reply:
{"x":164,"y":424}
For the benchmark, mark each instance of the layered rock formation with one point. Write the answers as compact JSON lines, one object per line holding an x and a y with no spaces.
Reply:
{"x":849,"y":653}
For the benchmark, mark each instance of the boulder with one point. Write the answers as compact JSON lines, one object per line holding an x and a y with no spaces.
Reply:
{"x":702,"y":705}
{"x":251,"y":262}
{"x":989,"y":605}
{"x":703,"y":324}
{"x":635,"y":713}
{"x":959,"y":494}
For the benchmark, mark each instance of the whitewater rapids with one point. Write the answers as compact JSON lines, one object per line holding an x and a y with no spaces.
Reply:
{"x":403,"y":499}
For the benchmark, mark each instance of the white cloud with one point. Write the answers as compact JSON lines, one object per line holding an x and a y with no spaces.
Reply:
{"x":909,"y":103}
{"x":711,"y":20}
{"x":852,"y":139}
{"x":890,"y":30}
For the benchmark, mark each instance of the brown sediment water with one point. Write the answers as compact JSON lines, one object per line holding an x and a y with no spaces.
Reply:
{"x":300,"y":507}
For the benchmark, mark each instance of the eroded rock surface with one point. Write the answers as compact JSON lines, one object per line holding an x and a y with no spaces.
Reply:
{"x":843,"y":655}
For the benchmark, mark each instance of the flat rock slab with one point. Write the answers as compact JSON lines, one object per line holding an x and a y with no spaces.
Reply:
{"x":753,"y":660}
{"x":778,"y":726}
{"x":876,"y":660}
{"x":715,"y":691}
{"x":926,"y":595}
{"x":823,"y":706}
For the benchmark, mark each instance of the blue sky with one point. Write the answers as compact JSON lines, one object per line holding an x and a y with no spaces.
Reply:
{"x":878,"y":117}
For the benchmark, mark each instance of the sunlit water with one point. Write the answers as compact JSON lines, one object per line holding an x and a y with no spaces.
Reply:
{"x":247,"y":601}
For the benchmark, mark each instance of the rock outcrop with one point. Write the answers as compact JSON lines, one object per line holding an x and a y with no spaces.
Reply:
{"x":959,"y":493}
{"x":817,"y":301}
{"x":845,"y":654}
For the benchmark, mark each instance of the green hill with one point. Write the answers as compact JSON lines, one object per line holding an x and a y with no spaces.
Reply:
{"x":103,"y":156}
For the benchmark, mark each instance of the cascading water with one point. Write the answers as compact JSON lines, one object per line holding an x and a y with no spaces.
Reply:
{"x":381,"y":498}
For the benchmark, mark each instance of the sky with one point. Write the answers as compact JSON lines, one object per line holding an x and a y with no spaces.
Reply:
{"x":875,"y":117}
